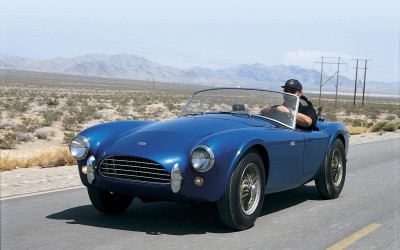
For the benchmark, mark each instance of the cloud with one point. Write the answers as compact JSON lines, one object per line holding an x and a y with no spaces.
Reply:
{"x":307,"y":59}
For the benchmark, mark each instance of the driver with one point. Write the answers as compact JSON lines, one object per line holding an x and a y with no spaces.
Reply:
{"x":306,"y":117}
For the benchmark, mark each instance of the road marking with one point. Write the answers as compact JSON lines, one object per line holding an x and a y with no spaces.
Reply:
{"x":354,"y":237}
{"x":39,"y":193}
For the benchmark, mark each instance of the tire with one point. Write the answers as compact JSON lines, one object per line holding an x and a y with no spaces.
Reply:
{"x":108,"y":202}
{"x":243,"y":197}
{"x":333,"y":174}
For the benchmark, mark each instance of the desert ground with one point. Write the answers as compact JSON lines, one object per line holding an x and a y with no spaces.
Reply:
{"x":40,"y":113}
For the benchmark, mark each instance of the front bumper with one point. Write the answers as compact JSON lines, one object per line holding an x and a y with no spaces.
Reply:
{"x":184,"y":185}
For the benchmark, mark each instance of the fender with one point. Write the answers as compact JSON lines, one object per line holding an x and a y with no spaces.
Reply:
{"x":229,"y":149}
{"x":336,"y":129}
{"x":99,"y":134}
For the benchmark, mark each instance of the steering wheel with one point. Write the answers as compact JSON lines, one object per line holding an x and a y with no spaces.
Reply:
{"x":278,"y":115}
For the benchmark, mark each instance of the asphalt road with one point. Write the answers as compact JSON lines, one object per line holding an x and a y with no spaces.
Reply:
{"x":365,"y":216}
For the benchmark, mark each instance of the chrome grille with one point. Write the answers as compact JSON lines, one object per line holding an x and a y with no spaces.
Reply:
{"x":134,"y":168}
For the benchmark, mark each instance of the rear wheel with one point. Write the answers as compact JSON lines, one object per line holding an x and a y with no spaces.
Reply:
{"x":331,"y":180}
{"x":243,"y":198}
{"x":109,"y":202}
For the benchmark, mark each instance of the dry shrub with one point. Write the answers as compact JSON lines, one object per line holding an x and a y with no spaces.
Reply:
{"x":45,"y":133}
{"x":390,"y":127}
{"x":25,"y":137}
{"x":60,"y":157}
{"x":68,"y":136}
{"x":6,"y":125}
{"x":390,"y":117}
{"x":9,"y":140}
{"x":28,"y":125}
{"x":50,"y":116}
{"x":379,"y":126}
{"x":355,"y":130}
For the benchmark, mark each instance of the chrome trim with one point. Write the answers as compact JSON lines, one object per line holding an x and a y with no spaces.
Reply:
{"x":91,"y":168}
{"x":133,"y":169}
{"x":176,"y":178}
{"x":211,"y":155}
{"x":87,"y":145}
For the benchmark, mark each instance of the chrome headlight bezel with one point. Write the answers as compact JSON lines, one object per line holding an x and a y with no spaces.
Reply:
{"x":202,"y":158}
{"x":79,"y":147}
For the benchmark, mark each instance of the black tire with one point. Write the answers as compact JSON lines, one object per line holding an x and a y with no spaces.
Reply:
{"x":243,"y":198}
{"x":333,"y":174}
{"x":108,"y":202}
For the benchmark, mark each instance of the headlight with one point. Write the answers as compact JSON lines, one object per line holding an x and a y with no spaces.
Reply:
{"x":79,"y":147}
{"x":202,"y":158}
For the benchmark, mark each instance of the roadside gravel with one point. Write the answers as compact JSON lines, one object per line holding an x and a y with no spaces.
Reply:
{"x":33,"y":180}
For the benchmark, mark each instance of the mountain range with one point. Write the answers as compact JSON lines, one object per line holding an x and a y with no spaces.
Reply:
{"x":139,"y":68}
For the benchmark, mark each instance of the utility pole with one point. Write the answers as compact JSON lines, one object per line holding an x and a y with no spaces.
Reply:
{"x":365,"y":76}
{"x":357,"y":82}
{"x":320,"y":81}
{"x":329,"y":77}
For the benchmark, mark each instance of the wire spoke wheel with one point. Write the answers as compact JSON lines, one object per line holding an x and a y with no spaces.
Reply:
{"x":250,"y":189}
{"x":333,"y":172}
{"x":337,"y":167}
{"x":243,"y":197}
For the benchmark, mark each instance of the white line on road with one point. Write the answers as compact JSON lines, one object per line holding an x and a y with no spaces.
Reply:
{"x":39,"y":193}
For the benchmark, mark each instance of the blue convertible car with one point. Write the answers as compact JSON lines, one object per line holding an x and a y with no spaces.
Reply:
{"x":220,"y":149}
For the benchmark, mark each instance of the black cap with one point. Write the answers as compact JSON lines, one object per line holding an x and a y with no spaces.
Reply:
{"x":293,"y":84}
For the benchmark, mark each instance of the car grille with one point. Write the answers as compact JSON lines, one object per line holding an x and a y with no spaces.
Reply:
{"x":134,"y":168}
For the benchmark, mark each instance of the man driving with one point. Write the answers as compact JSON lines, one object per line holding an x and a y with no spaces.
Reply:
{"x":306,"y":116}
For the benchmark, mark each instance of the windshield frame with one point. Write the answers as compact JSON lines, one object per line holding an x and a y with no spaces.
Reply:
{"x":250,"y":115}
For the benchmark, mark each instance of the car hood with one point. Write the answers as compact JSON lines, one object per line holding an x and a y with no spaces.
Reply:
{"x":203,"y":125}
{"x":163,"y":140}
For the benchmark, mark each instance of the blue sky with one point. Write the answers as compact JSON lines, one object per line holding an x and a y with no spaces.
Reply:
{"x":214,"y":34}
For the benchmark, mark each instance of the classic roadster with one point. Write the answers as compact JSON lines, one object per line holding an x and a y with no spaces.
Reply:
{"x":220,"y":149}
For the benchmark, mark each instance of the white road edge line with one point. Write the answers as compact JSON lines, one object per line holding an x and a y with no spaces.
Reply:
{"x":39,"y":193}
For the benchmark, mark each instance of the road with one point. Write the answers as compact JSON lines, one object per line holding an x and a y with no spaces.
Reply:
{"x":295,"y":219}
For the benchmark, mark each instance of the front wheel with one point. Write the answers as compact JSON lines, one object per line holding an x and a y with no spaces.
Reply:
{"x":109,"y":202}
{"x":331,"y":180}
{"x":243,"y":198}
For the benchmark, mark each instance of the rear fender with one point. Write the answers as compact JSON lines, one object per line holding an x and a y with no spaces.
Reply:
{"x":335,"y":130}
{"x":338,"y":130}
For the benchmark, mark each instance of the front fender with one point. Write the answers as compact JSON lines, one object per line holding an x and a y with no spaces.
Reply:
{"x":229,"y":147}
{"x":100,"y":134}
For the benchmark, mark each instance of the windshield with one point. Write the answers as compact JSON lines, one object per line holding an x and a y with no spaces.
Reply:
{"x":277,"y":106}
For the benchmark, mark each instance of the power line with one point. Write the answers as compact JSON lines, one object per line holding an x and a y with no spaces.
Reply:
{"x":123,"y":45}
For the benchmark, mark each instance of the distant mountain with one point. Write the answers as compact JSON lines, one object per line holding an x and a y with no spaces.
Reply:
{"x":3,"y":56}
{"x":139,"y":68}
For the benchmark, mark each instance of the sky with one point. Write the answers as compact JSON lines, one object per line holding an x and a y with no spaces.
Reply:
{"x":211,"y":33}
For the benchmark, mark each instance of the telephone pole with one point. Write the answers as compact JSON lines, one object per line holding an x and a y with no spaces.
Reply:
{"x":357,"y":82}
{"x":329,"y":77}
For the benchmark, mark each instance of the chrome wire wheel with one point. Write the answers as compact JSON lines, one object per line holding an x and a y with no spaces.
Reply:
{"x":331,"y":179}
{"x":337,"y":167}
{"x":243,"y":197}
{"x":250,"y":189}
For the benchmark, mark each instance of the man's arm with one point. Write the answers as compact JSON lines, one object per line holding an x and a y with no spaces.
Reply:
{"x":303,"y":120}
{"x":307,"y":118}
